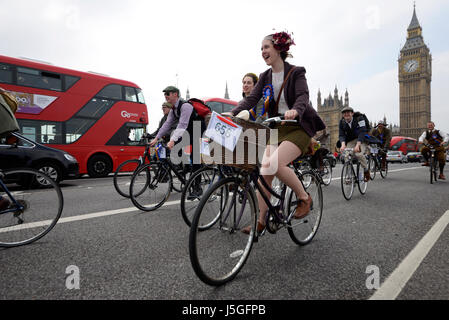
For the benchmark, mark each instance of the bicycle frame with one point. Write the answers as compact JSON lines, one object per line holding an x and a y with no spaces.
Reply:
{"x":17,"y":206}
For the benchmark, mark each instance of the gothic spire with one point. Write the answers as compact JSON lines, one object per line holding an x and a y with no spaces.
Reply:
{"x":226,"y":96}
{"x":414,"y":24}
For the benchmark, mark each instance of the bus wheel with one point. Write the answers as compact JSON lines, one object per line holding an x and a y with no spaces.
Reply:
{"x":99,"y":166}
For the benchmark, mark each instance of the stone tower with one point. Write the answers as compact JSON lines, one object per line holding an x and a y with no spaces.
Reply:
{"x":415,"y":75}
{"x":330,"y":111}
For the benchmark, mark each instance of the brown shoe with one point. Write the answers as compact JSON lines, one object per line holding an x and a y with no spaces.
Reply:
{"x":247,"y":229}
{"x":4,"y":203}
{"x":303,"y":208}
{"x":441,"y":177}
{"x":425,"y":164}
{"x":366,"y":176}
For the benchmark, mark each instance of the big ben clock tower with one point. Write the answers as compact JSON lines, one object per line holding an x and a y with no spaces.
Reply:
{"x":415,"y":75}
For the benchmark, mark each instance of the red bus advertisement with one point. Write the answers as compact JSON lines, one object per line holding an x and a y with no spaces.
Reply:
{"x":97,"y":119}
{"x":404,"y":144}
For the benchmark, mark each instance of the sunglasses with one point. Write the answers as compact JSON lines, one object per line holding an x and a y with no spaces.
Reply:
{"x":166,"y":94}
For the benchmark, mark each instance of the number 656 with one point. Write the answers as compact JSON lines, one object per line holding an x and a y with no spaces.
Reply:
{"x":223,"y":129}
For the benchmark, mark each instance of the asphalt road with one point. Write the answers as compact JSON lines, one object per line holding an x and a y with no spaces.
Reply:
{"x":129,"y":254}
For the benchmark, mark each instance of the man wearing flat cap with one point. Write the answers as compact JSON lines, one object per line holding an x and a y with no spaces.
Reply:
{"x":181,"y":112}
{"x":382,"y":133}
{"x":352,"y":134}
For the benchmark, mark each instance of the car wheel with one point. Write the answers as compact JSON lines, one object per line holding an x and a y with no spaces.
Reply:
{"x":50,"y":169}
{"x":99,"y":166}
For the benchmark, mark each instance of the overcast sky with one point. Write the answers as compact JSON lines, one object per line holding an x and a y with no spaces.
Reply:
{"x":201,"y":45}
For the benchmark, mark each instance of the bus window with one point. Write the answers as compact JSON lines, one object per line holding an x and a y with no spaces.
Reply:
{"x":215,"y":106}
{"x":70,"y":81}
{"x":39,"y":79}
{"x":128,"y":135}
{"x":96,"y":108}
{"x":130,"y":94}
{"x":112,"y":91}
{"x":41,"y":131}
{"x":227,"y":107}
{"x":76,"y":127}
{"x":140,"y":96}
{"x":5,"y":73}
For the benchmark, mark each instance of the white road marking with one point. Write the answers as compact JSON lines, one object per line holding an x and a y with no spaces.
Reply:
{"x":389,"y":171}
{"x":79,"y":217}
{"x":394,"y":284}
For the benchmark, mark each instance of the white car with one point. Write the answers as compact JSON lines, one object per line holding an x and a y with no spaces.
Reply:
{"x":396,"y":156}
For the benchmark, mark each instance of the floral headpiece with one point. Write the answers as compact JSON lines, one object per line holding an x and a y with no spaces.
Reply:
{"x":282,"y":41}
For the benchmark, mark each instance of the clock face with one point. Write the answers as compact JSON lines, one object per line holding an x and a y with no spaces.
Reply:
{"x":411,"y":66}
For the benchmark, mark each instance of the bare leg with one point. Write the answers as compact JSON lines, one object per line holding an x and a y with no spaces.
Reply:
{"x":280,"y":157}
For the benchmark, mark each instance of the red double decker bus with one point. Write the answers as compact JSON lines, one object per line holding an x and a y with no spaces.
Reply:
{"x":97,"y":119}
{"x":404,"y":144}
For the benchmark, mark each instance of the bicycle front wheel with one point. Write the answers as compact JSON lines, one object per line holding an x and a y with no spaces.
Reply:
{"x":34,"y":210}
{"x":218,"y":253}
{"x":303,"y":230}
{"x":156,"y":180}
{"x":196,"y":186}
{"x":361,"y":183}
{"x":347,"y":181}
{"x":123,"y":176}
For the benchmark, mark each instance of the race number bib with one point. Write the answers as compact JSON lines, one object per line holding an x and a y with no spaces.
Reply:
{"x":223,"y":131}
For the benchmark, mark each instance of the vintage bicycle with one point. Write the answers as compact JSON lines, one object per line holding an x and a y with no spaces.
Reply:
{"x":152,"y":183}
{"x":351,"y":176}
{"x":433,"y":163}
{"x":375,"y":162}
{"x":217,"y":246}
{"x":34,"y":208}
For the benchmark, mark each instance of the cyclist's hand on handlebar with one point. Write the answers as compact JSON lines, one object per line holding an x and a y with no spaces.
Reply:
{"x":290,"y":114}
{"x":170,"y":144}
{"x":153,"y":142}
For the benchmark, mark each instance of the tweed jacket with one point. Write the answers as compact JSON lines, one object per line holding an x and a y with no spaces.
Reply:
{"x":296,"y":93}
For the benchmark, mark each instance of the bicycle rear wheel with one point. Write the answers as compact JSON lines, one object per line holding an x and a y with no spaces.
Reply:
{"x":372,"y":167}
{"x":36,"y":210}
{"x":384,"y":171}
{"x":361,"y":183}
{"x":123,"y":176}
{"x":326,"y":174}
{"x":156,"y":180}
{"x":303,"y":230}
{"x":431,"y":164}
{"x":196,"y":186}
{"x":218,"y":253}
{"x":347,"y":181}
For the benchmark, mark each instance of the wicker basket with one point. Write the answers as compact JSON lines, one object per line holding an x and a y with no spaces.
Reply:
{"x":248,"y":151}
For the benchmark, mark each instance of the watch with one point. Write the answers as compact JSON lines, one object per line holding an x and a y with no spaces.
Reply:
{"x":411,"y":65}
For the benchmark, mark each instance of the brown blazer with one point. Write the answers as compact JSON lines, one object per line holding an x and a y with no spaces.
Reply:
{"x":296,"y":93}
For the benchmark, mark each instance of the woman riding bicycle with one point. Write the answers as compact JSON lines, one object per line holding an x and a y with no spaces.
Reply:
{"x":292,"y":103}
{"x":8,"y":107}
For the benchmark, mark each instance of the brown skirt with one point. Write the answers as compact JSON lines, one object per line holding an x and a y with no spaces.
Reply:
{"x":293,"y":133}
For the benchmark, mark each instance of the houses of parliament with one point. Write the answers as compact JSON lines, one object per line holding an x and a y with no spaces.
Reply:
{"x":415,"y":75}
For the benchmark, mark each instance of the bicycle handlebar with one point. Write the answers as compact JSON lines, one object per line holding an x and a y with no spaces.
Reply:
{"x":278,"y":119}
